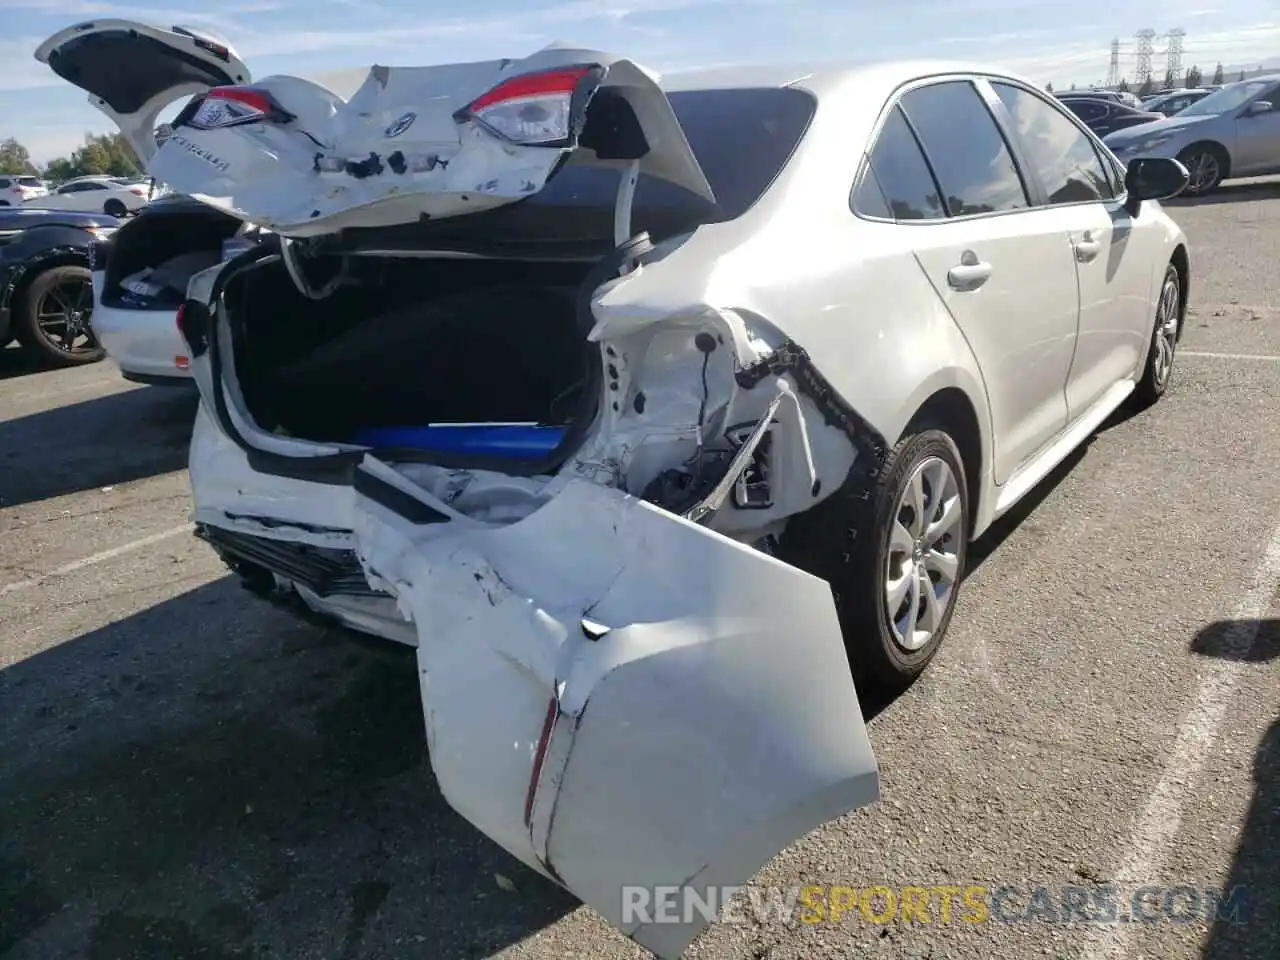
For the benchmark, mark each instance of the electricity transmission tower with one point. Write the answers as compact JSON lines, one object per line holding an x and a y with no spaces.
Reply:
{"x":1113,"y":71}
{"x":1143,"y":72}
{"x":1175,"y":53}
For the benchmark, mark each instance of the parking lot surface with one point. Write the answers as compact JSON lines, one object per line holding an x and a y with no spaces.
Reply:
{"x":186,"y":772}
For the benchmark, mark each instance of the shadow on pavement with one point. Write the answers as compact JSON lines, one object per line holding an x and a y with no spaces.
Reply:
{"x":94,"y":443}
{"x":1255,"y":933}
{"x":1230,"y":193}
{"x":212,"y":778}
{"x":15,"y":362}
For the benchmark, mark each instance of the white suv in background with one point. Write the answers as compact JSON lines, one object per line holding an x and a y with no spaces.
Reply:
{"x":16,"y":190}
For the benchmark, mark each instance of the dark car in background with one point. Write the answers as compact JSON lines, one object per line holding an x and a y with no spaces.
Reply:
{"x":1123,"y":97}
{"x":1107,"y":116}
{"x":46,"y":290}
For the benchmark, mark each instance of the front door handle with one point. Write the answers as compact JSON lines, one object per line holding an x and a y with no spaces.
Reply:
{"x":1087,"y":248}
{"x":969,"y":274}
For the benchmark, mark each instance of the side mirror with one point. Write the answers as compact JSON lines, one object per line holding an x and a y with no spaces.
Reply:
{"x":1259,"y":107}
{"x":1154,"y":178}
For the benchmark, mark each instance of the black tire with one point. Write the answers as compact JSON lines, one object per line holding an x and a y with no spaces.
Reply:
{"x":1162,"y":347}
{"x":66,"y":290}
{"x":1208,"y":165}
{"x":847,"y":541}
{"x":115,"y":208}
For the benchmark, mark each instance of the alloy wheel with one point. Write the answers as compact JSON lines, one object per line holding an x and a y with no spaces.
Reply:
{"x":1205,"y":171}
{"x":923,"y":561}
{"x":63,"y":313}
{"x":1166,"y":331}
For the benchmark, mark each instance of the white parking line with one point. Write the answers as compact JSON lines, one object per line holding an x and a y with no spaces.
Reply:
{"x":1158,"y":822}
{"x":89,"y":561}
{"x":1229,"y":356}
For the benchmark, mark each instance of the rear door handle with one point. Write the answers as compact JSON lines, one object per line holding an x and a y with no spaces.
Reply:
{"x":1087,"y":248}
{"x":969,"y":274}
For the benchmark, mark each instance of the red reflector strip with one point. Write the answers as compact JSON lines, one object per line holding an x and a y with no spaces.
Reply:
{"x":532,"y":85}
{"x":540,"y":757}
{"x":254,"y":99}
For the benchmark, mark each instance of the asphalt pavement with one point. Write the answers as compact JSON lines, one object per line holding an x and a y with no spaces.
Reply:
{"x":187,"y":773}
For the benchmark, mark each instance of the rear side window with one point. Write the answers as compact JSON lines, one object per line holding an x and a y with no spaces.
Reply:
{"x":897,"y":183}
{"x":4,"y":182}
{"x":1062,"y":157}
{"x":965,"y":147}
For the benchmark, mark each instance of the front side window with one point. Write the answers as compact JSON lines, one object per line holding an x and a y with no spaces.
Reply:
{"x":897,"y":183}
{"x":1062,"y":157}
{"x":968,"y":153}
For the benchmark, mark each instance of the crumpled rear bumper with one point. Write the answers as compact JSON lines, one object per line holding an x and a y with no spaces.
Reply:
{"x":620,"y":697}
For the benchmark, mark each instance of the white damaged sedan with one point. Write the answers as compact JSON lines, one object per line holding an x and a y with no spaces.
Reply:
{"x":643,"y":410}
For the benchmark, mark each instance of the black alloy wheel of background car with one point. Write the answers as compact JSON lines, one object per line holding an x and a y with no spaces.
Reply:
{"x":53,"y":317}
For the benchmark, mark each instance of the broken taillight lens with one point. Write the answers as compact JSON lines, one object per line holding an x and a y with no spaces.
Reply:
{"x":537,"y":109}
{"x":234,"y":107}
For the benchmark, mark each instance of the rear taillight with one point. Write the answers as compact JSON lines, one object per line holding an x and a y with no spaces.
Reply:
{"x":192,"y":320}
{"x":138,"y":191}
{"x":537,"y":109}
{"x":234,"y":107}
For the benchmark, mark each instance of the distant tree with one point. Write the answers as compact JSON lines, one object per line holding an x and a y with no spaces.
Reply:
{"x":1148,"y":85}
{"x":1194,"y":76}
{"x":14,"y":157}
{"x":1073,"y":86}
{"x":107,"y":154}
{"x":1048,"y":88}
{"x":1124,"y":85}
{"x":1217,"y":75}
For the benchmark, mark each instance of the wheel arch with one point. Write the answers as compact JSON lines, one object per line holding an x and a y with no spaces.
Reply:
{"x":952,"y":410}
{"x":1182,"y":263}
{"x":14,"y":294}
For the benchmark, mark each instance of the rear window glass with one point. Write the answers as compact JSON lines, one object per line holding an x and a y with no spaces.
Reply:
{"x":29,"y":181}
{"x":742,"y":139}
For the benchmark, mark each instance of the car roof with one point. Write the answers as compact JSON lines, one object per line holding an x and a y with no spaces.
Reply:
{"x":882,"y":76}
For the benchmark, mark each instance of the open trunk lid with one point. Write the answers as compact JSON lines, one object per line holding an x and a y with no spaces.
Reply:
{"x":416,"y":143}
{"x":132,"y":71}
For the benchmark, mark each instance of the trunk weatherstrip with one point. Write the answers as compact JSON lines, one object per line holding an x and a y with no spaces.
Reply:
{"x":337,"y":469}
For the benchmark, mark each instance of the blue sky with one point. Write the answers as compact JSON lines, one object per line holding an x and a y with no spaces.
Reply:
{"x":1047,"y":40}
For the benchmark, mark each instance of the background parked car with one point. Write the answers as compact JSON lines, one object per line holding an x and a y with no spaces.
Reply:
{"x":1116,"y":96}
{"x":1107,"y":116}
{"x":140,"y":278}
{"x":1232,"y":133}
{"x":15,"y":189}
{"x":1174,"y":102}
{"x":46,"y":296}
{"x":111,"y":195}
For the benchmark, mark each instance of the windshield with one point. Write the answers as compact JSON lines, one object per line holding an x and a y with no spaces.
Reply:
{"x":1228,"y":98}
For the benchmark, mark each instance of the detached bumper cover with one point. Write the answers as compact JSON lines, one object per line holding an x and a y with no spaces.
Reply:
{"x":620,"y":697}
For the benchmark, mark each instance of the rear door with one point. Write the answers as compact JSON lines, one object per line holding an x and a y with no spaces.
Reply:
{"x":132,"y":71}
{"x":644,"y":733}
{"x":1112,"y":251}
{"x":1002,"y":266}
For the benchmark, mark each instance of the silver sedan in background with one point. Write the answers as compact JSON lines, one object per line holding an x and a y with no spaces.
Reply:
{"x":1234,"y":132}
